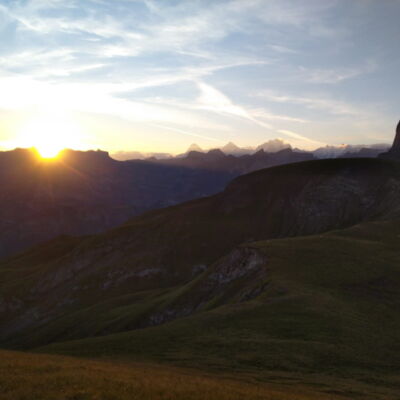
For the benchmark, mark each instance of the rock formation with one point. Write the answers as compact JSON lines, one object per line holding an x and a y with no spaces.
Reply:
{"x":396,"y":143}
{"x":394,"y":152}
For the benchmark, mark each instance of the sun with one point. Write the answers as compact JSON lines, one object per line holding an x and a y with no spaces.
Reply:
{"x":49,"y":134}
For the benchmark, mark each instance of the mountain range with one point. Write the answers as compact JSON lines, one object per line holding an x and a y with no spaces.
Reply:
{"x":271,"y":146}
{"x":88,"y":192}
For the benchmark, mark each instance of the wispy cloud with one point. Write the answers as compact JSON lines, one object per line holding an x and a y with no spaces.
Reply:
{"x":337,"y":75}
{"x":301,"y":138}
{"x":315,"y":103}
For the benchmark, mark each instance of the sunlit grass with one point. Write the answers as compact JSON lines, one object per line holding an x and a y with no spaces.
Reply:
{"x":43,"y":377}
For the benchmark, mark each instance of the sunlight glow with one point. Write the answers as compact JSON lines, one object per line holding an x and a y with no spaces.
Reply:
{"x":51,"y":133}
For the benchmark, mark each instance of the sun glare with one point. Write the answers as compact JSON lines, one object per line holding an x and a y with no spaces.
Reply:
{"x":50,"y":134}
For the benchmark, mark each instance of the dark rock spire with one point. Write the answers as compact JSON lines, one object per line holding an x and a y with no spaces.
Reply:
{"x":396,"y":143}
{"x":394,"y":152}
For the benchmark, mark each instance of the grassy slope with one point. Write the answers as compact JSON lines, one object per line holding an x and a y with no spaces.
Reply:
{"x":42,"y":377}
{"x":329,"y":316}
{"x":176,"y":240}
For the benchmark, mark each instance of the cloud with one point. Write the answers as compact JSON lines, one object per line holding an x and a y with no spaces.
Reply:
{"x":186,"y":132}
{"x":261,"y":113}
{"x":302,"y":138}
{"x":337,"y":75}
{"x":214,"y":100}
{"x":315,"y":103}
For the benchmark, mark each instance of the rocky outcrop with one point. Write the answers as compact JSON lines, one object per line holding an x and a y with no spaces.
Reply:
{"x":394,"y":152}
{"x":237,"y":277}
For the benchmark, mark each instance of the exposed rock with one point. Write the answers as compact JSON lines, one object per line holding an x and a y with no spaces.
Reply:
{"x":237,"y":264}
{"x":394,"y":152}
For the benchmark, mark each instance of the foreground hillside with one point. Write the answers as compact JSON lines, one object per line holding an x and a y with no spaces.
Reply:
{"x":319,"y":310}
{"x":30,"y":376}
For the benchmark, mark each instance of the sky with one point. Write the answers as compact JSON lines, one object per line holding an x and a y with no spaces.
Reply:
{"x":146,"y":75}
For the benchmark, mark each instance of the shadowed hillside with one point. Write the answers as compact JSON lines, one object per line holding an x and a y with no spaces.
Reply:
{"x":86,"y":192}
{"x":169,"y":247}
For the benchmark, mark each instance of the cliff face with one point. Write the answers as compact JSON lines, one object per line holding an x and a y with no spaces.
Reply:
{"x":396,"y":143}
{"x":394,"y":152}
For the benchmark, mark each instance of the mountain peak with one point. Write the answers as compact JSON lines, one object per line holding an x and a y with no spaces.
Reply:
{"x":394,"y":152}
{"x":194,"y":147}
{"x":274,"y":145}
{"x":396,"y":143}
{"x":216,"y":153}
{"x":230,"y":147}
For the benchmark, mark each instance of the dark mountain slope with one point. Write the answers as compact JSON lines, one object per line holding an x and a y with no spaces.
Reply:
{"x":133,"y":268}
{"x":86,"y":192}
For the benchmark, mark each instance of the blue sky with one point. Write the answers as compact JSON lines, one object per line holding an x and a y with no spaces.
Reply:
{"x":158,"y":75}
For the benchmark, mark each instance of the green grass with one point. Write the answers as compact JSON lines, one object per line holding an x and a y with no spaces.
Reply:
{"x":330,"y":309}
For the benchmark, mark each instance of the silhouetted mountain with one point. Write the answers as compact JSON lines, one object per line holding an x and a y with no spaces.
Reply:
{"x":365,"y":152}
{"x":217,"y":160}
{"x":137,"y":155}
{"x":231,"y":149}
{"x":394,"y":152}
{"x":87,"y":192}
{"x":349,"y":151}
{"x":272,"y":146}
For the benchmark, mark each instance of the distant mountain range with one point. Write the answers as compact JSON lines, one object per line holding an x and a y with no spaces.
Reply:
{"x":89,"y":192}
{"x":217,"y":160}
{"x":271,"y":146}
